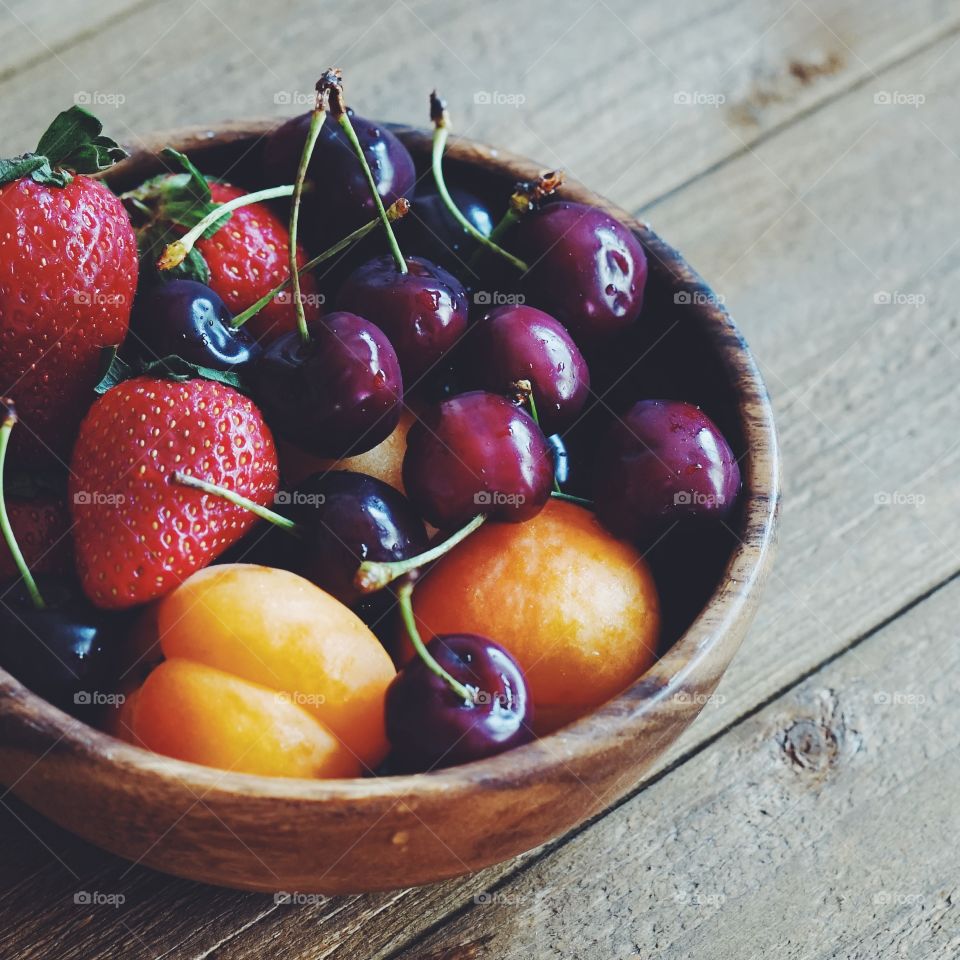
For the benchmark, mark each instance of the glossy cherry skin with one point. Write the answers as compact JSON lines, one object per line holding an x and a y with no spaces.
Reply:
{"x":586,"y":269}
{"x":518,"y":342}
{"x":185,"y":318}
{"x":339,"y":199}
{"x":66,"y":651}
{"x":662,"y":463}
{"x":430,"y":231}
{"x":345,"y":518}
{"x":430,"y":727}
{"x":477,"y":453}
{"x":336,"y":395}
{"x":423,"y":312}
{"x":561,"y":458}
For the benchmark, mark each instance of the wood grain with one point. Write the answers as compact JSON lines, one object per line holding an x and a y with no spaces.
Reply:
{"x":599,"y":82}
{"x":770,"y":291}
{"x":816,"y":829}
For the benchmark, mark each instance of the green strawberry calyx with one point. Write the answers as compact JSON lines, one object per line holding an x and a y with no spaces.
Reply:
{"x":114,"y":370}
{"x":73,"y":143}
{"x":164,"y":207}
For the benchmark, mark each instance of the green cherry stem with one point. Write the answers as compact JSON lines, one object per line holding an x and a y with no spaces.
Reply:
{"x":399,"y":208}
{"x":527,"y":388}
{"x":184,"y":479}
{"x":376,"y":575}
{"x":526,"y":196}
{"x":9,"y":413}
{"x":570,"y":498}
{"x":404,"y":594}
{"x":175,"y":253}
{"x":339,"y":110}
{"x":441,"y":133}
{"x":319,"y":114}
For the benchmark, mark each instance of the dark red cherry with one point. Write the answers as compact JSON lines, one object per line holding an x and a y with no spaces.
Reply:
{"x":338,"y":199}
{"x":663,"y":462}
{"x":337,"y":394}
{"x":423,"y":312}
{"x":477,"y":453}
{"x":586,"y":268}
{"x":345,"y":518}
{"x":430,"y":726}
{"x":518,"y":342}
{"x":430,"y":231}
{"x":187,"y":319}
{"x":66,"y":651}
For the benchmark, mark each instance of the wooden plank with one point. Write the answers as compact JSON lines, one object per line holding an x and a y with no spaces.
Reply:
{"x":713,"y":223}
{"x":822,"y":827}
{"x":36,"y":31}
{"x":621,"y":67}
{"x":870,"y":425}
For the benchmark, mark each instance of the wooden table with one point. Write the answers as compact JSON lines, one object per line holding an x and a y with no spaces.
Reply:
{"x":806,"y":157}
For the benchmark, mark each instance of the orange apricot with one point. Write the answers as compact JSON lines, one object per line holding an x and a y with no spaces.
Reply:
{"x":194,"y":712}
{"x":576,"y":607}
{"x":384,"y":461}
{"x":273,"y":628}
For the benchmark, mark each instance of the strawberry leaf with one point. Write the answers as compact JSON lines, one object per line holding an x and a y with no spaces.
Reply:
{"x":116,"y":370}
{"x":176,"y":368}
{"x":183,"y":199}
{"x":73,"y":143}
{"x":151,"y":241}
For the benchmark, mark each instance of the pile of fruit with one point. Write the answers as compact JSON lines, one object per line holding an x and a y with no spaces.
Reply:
{"x":301,"y":484}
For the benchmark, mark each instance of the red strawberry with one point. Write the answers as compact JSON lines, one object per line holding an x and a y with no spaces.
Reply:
{"x":247,"y":257}
{"x":68,"y":273}
{"x":42,"y":530}
{"x":137,"y":534}
{"x":241,"y":257}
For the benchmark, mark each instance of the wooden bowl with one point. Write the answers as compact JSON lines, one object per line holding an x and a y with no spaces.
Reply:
{"x":350,"y":836}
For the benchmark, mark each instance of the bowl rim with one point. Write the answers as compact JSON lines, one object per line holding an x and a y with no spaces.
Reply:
{"x":624,"y":715}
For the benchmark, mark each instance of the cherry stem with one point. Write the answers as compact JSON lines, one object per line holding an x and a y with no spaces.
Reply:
{"x":374,"y":575}
{"x":6,"y":428}
{"x":526,"y":196}
{"x":560,"y":495}
{"x":339,"y":110}
{"x":317,"y":117}
{"x":525,"y":393}
{"x":410,"y":622}
{"x":175,"y":253}
{"x":186,"y":480}
{"x":396,"y":210}
{"x":441,"y":133}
